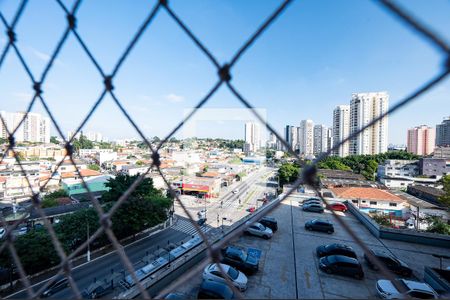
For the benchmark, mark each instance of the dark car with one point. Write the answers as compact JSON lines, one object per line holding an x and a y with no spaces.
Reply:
{"x":342,"y":265}
{"x":96,"y":291}
{"x":313,"y":207}
{"x":319,"y":225}
{"x":335,"y":249}
{"x":214,"y":290}
{"x":390,"y":261}
{"x":239,"y":258}
{"x":59,"y":284}
{"x":270,"y":222}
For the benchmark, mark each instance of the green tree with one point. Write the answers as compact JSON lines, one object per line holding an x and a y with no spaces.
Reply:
{"x":35,"y":250}
{"x":145,"y":207}
{"x":139,"y":213}
{"x":82,"y":143}
{"x":73,"y":228}
{"x":156,"y":139}
{"x":51,"y":199}
{"x":445,"y":199}
{"x":54,"y":140}
{"x":437,"y":225}
{"x":382,"y":220}
{"x":94,"y":167}
{"x":288,"y":172}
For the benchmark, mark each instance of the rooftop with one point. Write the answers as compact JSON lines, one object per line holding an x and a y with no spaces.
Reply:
{"x":364,"y":193}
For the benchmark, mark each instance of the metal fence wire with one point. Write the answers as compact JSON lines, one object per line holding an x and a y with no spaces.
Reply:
{"x":224,"y":77}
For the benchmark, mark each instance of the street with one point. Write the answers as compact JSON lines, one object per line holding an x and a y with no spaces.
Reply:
{"x":224,"y":210}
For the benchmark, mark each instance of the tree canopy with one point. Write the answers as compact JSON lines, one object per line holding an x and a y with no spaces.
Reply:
{"x":365,"y":165}
{"x":288,"y":172}
{"x":445,"y":199}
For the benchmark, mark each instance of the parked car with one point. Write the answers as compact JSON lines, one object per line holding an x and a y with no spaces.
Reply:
{"x":212,"y":272}
{"x":270,"y":222}
{"x":59,"y":284}
{"x":239,"y":259}
{"x":413,"y":289}
{"x":251,"y":209}
{"x":390,"y":261}
{"x":214,"y":290}
{"x":235,"y":191}
{"x":200,"y":222}
{"x":176,"y":296}
{"x":259,"y":229}
{"x":22,"y":231}
{"x":320,"y":225}
{"x":338,"y":206}
{"x":335,"y":249}
{"x":312,"y":201}
{"x":313,"y":207}
{"x":96,"y":290}
{"x":342,"y":265}
{"x":2,"y":232}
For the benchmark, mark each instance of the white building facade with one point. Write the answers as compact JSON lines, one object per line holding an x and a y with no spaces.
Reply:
{"x":320,"y":143}
{"x":364,"y":108}
{"x":35,"y":128}
{"x":306,"y":137}
{"x":252,"y":137}
{"x":341,"y":129}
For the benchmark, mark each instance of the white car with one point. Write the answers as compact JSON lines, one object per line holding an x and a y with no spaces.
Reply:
{"x":259,"y":229}
{"x":2,"y":232}
{"x":414,"y":289}
{"x":235,"y":191}
{"x":212,"y":273}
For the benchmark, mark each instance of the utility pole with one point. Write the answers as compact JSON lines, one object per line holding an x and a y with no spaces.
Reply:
{"x":88,"y":254}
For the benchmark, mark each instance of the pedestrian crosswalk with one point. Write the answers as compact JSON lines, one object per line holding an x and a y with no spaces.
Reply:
{"x":183,"y":225}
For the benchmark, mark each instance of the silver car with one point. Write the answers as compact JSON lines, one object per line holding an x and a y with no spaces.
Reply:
{"x":212,"y":273}
{"x":259,"y":229}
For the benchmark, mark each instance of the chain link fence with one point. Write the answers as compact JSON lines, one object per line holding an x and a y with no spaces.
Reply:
{"x":224,"y":77}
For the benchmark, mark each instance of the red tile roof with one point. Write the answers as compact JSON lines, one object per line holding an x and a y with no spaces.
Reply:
{"x":83,"y":172}
{"x":364,"y":193}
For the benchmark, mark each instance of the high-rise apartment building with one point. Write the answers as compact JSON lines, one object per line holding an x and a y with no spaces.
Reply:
{"x":252,"y":137}
{"x":421,"y":140}
{"x":341,"y":129}
{"x":443,"y":133}
{"x":35,"y":128}
{"x":329,"y":138}
{"x":306,"y":137}
{"x":291,"y":136}
{"x":320,"y":143}
{"x":364,"y":108}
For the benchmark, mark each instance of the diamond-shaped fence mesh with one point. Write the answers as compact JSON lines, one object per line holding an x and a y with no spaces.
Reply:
{"x":224,"y":73}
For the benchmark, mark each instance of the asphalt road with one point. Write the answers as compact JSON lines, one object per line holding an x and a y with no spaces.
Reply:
{"x":101,"y":267}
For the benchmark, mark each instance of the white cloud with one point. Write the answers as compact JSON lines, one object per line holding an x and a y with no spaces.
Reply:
{"x":174,"y":98}
{"x":43,"y":56}
{"x":22,"y":96}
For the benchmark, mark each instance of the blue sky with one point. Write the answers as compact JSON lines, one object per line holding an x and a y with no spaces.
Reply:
{"x":313,"y":58}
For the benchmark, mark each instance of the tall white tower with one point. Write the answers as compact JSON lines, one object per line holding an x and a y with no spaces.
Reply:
{"x":341,"y":129}
{"x":365,"y":107}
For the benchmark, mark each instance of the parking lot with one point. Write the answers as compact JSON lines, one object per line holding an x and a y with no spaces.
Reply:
{"x":289,"y":266}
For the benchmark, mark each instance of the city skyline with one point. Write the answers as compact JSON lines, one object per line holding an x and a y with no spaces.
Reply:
{"x":165,"y":87}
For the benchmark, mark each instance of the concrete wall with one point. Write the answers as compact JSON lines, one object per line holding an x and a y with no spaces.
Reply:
{"x":373,"y":227}
{"x":410,"y":236}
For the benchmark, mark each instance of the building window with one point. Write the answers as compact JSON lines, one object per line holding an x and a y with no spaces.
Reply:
{"x":355,"y":201}
{"x":373,"y":202}
{"x":393,"y":204}
{"x":363,"y":201}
